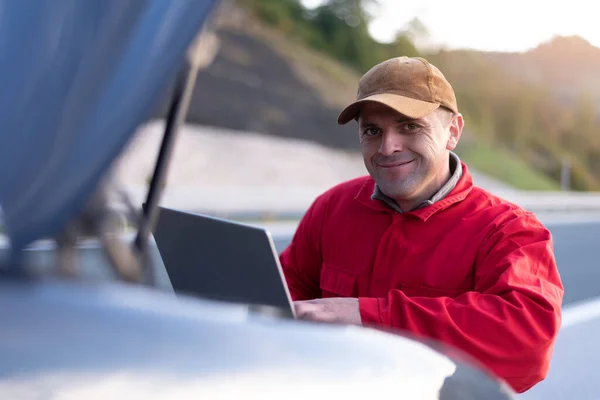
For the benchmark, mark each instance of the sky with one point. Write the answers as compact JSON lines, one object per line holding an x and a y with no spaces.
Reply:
{"x":508,"y":25}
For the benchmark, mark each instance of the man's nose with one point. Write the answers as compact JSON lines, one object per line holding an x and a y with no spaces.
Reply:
{"x":391,"y":142}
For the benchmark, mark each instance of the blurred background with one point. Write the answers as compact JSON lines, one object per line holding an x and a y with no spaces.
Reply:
{"x":278,"y":72}
{"x":525,"y":79}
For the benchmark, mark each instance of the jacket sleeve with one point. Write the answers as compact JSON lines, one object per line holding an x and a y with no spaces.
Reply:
{"x":301,"y":260}
{"x":511,"y":319}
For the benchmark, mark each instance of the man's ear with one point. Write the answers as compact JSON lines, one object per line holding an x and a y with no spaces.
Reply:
{"x":456,"y":128}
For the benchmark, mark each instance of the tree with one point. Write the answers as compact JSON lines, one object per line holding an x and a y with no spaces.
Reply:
{"x":343,"y":25}
{"x":277,"y":13}
{"x":418,"y":34}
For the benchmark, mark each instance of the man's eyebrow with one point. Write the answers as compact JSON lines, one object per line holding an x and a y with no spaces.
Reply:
{"x":368,"y":124}
{"x":407,"y":119}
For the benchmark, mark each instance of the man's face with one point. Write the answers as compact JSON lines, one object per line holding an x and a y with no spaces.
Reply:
{"x":407,"y":158}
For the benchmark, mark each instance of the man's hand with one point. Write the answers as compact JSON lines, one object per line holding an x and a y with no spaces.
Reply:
{"x":337,"y":310}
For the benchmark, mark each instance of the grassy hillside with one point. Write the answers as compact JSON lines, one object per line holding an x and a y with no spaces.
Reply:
{"x":568,"y":65}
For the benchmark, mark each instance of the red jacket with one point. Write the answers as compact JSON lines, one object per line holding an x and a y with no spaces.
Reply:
{"x":471,"y":270}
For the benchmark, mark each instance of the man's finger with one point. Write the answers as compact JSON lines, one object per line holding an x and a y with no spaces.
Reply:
{"x":316,"y":315}
{"x":304,"y":310}
{"x":310,"y":312}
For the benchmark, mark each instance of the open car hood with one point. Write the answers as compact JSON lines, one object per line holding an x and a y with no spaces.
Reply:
{"x":77,"y":79}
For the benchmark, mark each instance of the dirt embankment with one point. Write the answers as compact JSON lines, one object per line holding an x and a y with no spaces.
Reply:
{"x":262,"y":82}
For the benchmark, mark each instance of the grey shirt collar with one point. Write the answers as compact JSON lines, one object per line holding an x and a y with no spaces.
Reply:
{"x":455,"y":170}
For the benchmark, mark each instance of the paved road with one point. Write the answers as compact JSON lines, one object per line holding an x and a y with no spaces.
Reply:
{"x":574,"y":368}
{"x":577,"y":249}
{"x":573,"y":372}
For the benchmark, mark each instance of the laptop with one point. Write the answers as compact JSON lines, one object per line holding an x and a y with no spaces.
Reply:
{"x":222,"y":260}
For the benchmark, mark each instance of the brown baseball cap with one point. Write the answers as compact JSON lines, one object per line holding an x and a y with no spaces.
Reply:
{"x":410,"y":85}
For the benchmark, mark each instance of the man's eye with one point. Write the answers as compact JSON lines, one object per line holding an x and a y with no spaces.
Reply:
{"x":410,"y":127}
{"x":371,"y":131}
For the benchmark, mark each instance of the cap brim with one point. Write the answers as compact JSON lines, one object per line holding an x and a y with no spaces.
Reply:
{"x":407,"y":106}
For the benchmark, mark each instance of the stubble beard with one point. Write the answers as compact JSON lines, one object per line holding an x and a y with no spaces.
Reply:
{"x":403,"y":189}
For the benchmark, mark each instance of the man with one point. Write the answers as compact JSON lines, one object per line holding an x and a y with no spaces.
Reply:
{"x":416,"y":246}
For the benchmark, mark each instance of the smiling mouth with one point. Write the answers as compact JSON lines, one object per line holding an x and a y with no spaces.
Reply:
{"x":398,"y":164}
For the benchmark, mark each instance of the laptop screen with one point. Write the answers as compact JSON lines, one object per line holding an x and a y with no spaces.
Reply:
{"x":220,"y":259}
